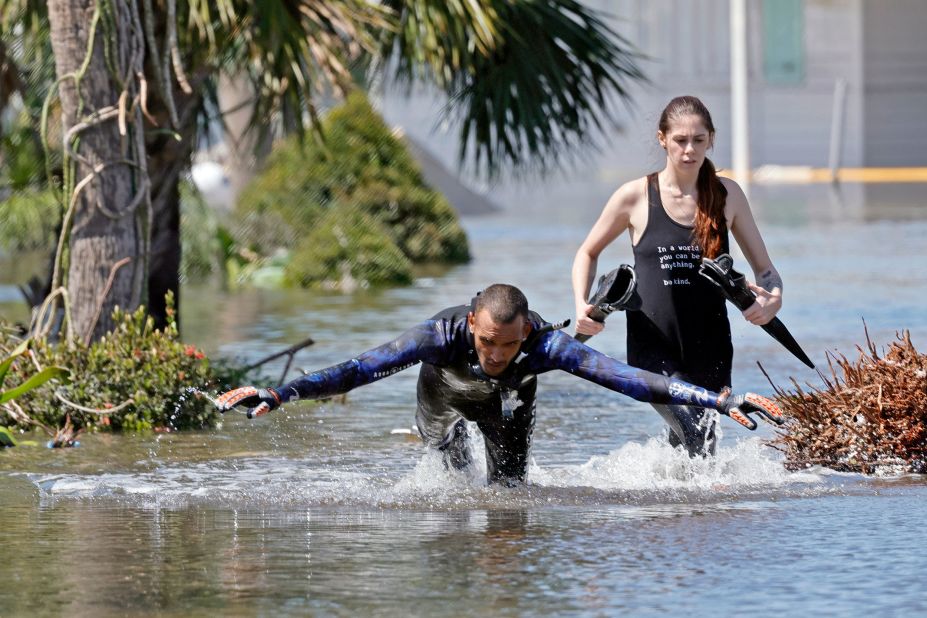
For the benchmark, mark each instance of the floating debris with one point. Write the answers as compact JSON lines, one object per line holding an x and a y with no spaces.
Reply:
{"x":871,"y":419}
{"x":66,"y":436}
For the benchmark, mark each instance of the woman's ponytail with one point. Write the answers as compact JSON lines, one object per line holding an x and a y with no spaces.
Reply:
{"x":710,"y":224}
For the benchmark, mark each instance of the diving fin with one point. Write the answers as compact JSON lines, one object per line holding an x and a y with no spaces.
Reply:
{"x":733,"y":286}
{"x":617,"y":291}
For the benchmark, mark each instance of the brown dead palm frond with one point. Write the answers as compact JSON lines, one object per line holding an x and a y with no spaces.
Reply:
{"x":870,"y":414}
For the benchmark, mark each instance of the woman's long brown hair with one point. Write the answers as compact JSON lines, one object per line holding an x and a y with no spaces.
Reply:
{"x":710,"y":225}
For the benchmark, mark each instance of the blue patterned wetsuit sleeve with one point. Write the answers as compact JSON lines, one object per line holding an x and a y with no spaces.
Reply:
{"x":562,"y":351}
{"x":426,"y":342}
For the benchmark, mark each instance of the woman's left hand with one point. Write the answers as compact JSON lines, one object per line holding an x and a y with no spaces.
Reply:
{"x":765,"y":308}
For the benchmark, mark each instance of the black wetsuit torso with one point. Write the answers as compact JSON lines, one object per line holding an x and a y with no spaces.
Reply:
{"x":503,"y":407}
{"x":452,"y":387}
{"x":682,"y":328}
{"x":458,"y":385}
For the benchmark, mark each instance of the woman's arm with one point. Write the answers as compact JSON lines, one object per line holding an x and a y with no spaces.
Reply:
{"x":768,"y":286}
{"x":614,"y":220}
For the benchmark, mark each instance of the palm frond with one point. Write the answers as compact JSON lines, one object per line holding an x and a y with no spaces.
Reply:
{"x":546,"y":81}
{"x":527,"y":83}
{"x":294,"y":53}
{"x":440,"y":40}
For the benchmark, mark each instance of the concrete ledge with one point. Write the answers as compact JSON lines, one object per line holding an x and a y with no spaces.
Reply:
{"x":790,"y":174}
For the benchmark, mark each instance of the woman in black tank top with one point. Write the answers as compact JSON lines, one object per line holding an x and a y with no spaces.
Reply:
{"x":675,"y":217}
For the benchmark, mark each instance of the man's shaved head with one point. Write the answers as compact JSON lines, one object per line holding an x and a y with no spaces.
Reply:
{"x":503,"y":302}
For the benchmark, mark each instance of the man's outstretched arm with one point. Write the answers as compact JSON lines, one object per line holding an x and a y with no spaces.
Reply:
{"x":566,"y":353}
{"x":424,"y":342}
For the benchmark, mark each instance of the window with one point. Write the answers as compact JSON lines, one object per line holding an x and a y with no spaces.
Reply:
{"x":783,"y":44}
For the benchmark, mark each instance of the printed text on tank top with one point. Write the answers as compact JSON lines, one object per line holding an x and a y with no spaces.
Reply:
{"x":678,"y":261}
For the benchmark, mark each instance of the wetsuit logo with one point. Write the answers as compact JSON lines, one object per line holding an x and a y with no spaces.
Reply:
{"x":388,"y":372}
{"x":693,"y":394}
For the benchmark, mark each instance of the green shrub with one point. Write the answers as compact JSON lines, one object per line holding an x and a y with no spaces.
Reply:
{"x":362,"y":176}
{"x":29,"y":220}
{"x":419,"y":221}
{"x":348,"y":247}
{"x":23,"y":162}
{"x":151,"y":367}
{"x":284,"y":200}
{"x":12,"y":392}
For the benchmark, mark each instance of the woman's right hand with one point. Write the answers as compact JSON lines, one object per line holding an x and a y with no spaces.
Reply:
{"x":586,"y":325}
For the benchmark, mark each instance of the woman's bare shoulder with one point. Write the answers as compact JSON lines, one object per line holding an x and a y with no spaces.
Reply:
{"x":734,"y":192}
{"x":629,"y":194}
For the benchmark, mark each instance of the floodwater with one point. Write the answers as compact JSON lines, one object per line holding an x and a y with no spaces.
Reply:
{"x":334,"y":508}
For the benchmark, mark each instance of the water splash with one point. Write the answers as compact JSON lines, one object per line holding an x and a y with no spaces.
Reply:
{"x":636,"y":473}
{"x":656,"y":466}
{"x":196,"y":392}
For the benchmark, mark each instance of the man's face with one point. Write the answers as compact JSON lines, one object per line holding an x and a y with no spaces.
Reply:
{"x":496,"y":344}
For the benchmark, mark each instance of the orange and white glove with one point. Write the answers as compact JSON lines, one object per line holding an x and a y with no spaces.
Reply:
{"x":738,"y":407}
{"x":258,"y":400}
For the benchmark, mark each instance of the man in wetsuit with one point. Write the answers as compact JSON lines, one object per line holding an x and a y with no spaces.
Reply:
{"x":480,"y":364}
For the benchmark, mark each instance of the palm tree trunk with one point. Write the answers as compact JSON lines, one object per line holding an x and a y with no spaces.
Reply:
{"x":107,"y":248}
{"x":168,"y":160}
{"x":166,"y":163}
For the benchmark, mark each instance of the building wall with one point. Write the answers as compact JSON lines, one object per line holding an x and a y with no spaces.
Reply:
{"x":895,"y":60}
{"x":793,"y":125}
{"x":790,"y":123}
{"x":878,"y":47}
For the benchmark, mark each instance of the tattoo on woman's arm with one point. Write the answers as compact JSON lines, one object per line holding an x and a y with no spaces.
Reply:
{"x":770,"y":280}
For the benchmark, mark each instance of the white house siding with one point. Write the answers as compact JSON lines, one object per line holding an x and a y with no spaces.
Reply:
{"x":878,"y":46}
{"x":689,"y":44}
{"x":792,"y":124}
{"x":895,"y":59}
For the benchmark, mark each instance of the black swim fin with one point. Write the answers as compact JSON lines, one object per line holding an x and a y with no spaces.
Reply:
{"x":617,"y":291}
{"x":733,"y":286}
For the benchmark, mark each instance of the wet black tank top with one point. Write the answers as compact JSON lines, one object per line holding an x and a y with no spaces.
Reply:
{"x":682,"y":328}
